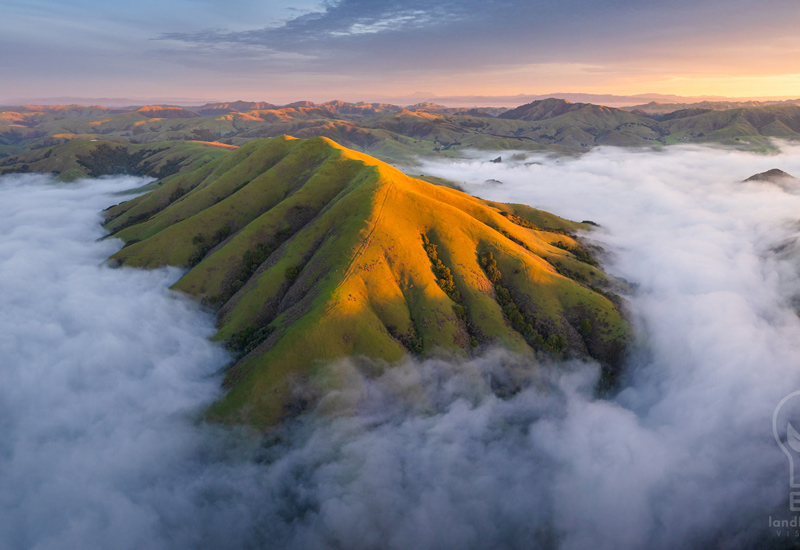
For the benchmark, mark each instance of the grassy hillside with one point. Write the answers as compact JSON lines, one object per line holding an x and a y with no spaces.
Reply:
{"x":739,"y":127}
{"x":311,"y":252}
{"x":93,"y":158}
{"x":656,"y":108}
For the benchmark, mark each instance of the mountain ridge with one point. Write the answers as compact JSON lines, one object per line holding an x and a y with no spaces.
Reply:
{"x":401,"y":135}
{"x":311,"y":252}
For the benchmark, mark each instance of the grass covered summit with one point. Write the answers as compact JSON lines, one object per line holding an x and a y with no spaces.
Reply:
{"x":311,"y":252}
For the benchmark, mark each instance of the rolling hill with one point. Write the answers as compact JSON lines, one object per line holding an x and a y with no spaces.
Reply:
{"x":657,"y":108}
{"x":753,"y":126}
{"x":310,"y":252}
{"x":93,"y":158}
{"x":580,"y":126}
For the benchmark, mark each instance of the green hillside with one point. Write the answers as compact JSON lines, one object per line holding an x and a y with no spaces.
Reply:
{"x":740,"y":127}
{"x":656,"y":108}
{"x":311,"y":252}
{"x":93,"y":158}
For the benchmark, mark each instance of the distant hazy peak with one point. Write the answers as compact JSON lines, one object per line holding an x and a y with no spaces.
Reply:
{"x":773,"y":176}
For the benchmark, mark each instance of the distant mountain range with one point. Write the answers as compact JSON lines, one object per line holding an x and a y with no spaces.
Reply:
{"x":468,"y":101}
{"x":402,"y":134}
{"x":655,"y":108}
{"x":609,"y":100}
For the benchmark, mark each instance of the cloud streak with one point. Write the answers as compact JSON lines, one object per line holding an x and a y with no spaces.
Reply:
{"x":448,"y":48}
{"x":476,"y":34}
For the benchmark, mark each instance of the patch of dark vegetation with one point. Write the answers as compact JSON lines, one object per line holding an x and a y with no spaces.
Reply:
{"x":178,"y":193}
{"x":239,"y":187}
{"x":204,"y":134}
{"x":106,"y":160}
{"x":133,"y":220}
{"x":512,"y":238}
{"x":251,"y":259}
{"x":170,"y":167}
{"x":565,"y":271}
{"x":445,"y":146}
{"x":249,"y":338}
{"x":23,"y":169}
{"x":411,"y":340}
{"x":581,"y":254}
{"x":205,"y":245}
{"x":297,"y":217}
{"x":292,"y":272}
{"x":502,"y":384}
{"x":520,"y":321}
{"x":522,"y":222}
{"x":15,"y":137}
{"x":615,"y":299}
{"x":444,"y":277}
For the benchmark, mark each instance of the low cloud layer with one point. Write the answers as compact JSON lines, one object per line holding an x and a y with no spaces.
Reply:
{"x":685,"y":453}
{"x":104,"y":374}
{"x":101,"y":373}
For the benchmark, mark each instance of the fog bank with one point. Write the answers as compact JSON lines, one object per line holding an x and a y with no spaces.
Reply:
{"x":101,"y":373}
{"x":715,"y":264}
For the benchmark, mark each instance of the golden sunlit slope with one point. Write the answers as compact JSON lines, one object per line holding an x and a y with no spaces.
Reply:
{"x":313,"y":252}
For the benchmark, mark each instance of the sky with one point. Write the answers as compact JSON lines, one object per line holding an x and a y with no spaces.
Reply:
{"x":283,"y":50}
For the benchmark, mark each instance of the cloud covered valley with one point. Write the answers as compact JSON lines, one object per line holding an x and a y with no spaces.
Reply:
{"x":105,"y":373}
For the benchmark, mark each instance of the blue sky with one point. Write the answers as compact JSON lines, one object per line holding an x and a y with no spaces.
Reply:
{"x":371,"y":49}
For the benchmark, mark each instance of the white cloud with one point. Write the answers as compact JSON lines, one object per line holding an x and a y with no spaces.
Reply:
{"x":101,"y":373}
{"x":689,"y":438}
